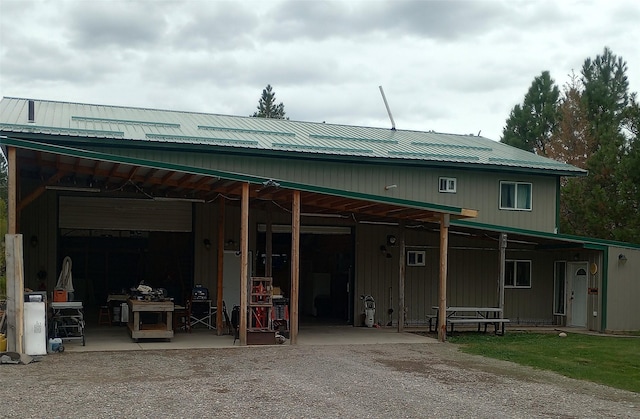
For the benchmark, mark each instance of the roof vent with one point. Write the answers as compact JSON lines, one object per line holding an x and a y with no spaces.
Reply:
{"x":32,"y":111}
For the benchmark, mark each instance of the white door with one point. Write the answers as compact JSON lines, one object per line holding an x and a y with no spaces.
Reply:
{"x":578,"y":272}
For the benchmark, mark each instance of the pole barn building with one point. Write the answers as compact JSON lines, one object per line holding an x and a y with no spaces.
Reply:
{"x":419,"y":221}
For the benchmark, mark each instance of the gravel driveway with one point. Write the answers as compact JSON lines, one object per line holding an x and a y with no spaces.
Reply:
{"x":354,"y":381}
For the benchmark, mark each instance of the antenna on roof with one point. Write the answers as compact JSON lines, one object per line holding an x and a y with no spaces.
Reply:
{"x":393,"y":124}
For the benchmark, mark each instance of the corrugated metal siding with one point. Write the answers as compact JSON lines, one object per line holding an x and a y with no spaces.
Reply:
{"x":39,"y":219}
{"x":124,"y":214}
{"x":623,"y":291}
{"x":472,"y":277}
{"x":476,"y":190}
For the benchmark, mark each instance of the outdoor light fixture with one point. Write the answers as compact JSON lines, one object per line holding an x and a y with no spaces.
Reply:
{"x":71,"y":188}
{"x":170,"y":199}
{"x":391,"y":240}
{"x":622,"y":257}
{"x":207,"y":243}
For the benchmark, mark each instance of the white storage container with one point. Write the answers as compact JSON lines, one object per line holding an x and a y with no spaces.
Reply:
{"x":35,"y":328}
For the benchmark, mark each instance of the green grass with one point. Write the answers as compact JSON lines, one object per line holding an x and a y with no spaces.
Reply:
{"x":609,"y":360}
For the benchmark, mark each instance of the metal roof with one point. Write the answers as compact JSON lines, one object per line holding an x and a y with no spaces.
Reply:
{"x":188,"y":129}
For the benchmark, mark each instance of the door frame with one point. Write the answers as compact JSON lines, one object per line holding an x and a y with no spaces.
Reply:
{"x":572,"y":270}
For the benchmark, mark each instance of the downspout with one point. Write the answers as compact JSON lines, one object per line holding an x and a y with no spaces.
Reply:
{"x":557,"y":229}
{"x":605,"y":283}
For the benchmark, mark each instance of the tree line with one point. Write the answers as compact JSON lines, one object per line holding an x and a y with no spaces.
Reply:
{"x":593,"y":122}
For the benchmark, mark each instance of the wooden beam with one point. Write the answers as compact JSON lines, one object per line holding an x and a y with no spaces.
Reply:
{"x":295,"y":267}
{"x":268,"y":267}
{"x":15,"y":293}
{"x":501,"y":271}
{"x":401,"y":279}
{"x":244,"y":261}
{"x":12,"y":191}
{"x":442,"y":288}
{"x":39,"y":191}
{"x":220,"y":264}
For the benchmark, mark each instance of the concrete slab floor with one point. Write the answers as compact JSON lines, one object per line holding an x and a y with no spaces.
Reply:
{"x":117,"y":338}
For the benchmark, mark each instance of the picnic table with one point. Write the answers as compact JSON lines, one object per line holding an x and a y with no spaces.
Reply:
{"x":483,"y":316}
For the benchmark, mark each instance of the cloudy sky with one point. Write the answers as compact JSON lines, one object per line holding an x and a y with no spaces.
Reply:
{"x":449,"y":66}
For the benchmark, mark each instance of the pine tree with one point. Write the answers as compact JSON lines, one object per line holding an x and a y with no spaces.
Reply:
{"x":531,"y":125}
{"x":605,"y":203}
{"x":267,"y":107}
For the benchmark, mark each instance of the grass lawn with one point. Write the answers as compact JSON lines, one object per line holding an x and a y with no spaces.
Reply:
{"x":608,"y":360}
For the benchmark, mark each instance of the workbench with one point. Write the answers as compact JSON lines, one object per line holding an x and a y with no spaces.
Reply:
{"x":161,"y":329}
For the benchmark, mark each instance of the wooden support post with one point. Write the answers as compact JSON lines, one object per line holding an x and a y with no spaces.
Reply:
{"x":244,"y":261}
{"x":501,"y":270}
{"x":220,"y":264}
{"x":268,"y":266}
{"x":15,"y":293}
{"x":442,"y":289}
{"x":12,"y":191}
{"x":401,"y":280}
{"x":295,"y":267}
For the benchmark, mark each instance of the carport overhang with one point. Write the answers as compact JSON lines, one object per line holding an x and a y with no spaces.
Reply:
{"x":54,"y":166}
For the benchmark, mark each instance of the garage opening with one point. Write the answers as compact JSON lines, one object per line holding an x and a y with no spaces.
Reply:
{"x":111,"y":262}
{"x":326,"y":270}
{"x":115,"y":244}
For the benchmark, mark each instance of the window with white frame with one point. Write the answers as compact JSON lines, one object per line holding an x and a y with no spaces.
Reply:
{"x":515,"y":196}
{"x":517,"y":274}
{"x":447,"y":184}
{"x":559,"y":289}
{"x":416,"y":257}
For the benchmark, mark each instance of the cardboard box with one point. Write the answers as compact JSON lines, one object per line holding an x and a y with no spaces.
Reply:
{"x":59,"y":296}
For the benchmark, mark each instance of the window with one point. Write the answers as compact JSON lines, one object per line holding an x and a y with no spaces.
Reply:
{"x":415,"y":257}
{"x":515,"y":196}
{"x":559,"y":287}
{"x":517,"y":274}
{"x":447,"y":184}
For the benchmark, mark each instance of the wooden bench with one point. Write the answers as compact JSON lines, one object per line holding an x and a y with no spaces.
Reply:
{"x":452,"y":320}
{"x":497,"y":322}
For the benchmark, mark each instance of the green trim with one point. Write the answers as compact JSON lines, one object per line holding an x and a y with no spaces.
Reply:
{"x":320,"y":148}
{"x":245,"y":131}
{"x":125,"y":121}
{"x":438,"y":156}
{"x":74,"y":152}
{"x":464,"y":147}
{"x":528,"y":162}
{"x":588,"y":242}
{"x":605,"y":288}
{"x":367,"y":140}
{"x":58,"y":130}
{"x":207,"y":139}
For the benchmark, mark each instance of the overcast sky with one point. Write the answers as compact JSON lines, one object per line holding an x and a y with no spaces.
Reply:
{"x":448,"y":66}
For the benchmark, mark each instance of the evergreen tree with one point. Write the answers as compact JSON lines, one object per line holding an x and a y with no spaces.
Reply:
{"x":531,"y":125}
{"x":605,"y":203}
{"x":572,"y":142}
{"x":595,"y":126}
{"x":267,"y":107}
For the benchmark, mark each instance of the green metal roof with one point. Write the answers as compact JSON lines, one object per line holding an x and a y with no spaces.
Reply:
{"x":149,"y":127}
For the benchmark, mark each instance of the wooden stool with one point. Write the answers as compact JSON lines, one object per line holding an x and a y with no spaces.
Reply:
{"x":104,"y":316}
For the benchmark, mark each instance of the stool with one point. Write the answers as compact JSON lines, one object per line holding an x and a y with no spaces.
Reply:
{"x":104,"y":316}
{"x":181,"y":319}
